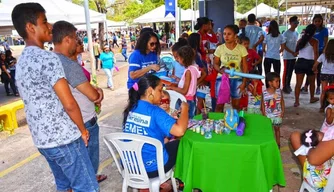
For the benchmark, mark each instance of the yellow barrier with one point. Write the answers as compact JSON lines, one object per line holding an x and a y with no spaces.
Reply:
{"x":8,"y":114}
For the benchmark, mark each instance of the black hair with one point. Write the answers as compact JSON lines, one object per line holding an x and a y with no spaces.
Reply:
{"x":145,"y":29}
{"x":194,"y":41}
{"x":60,"y":30}
{"x":234,"y":28}
{"x":270,"y":77}
{"x":8,"y":53}
{"x":144,"y":38}
{"x":293,"y":19}
{"x":243,"y":20}
{"x":308,"y":35}
{"x":319,"y":16}
{"x":25,"y":13}
{"x":260,"y":23}
{"x":244,"y":38}
{"x":187,"y":54}
{"x":327,"y":93}
{"x":314,"y":138}
{"x":184,"y":36}
{"x":182,"y":42}
{"x":273,"y":29}
{"x":251,"y":18}
{"x":329,"y":52}
{"x":134,"y":95}
{"x":200,"y":22}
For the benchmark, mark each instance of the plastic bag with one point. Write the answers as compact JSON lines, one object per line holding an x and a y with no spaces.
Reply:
{"x":224,"y":90}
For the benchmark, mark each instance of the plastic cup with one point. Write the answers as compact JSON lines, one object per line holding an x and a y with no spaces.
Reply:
{"x":205,"y":114}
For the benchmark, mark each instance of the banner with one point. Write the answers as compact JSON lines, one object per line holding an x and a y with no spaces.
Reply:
{"x":170,"y":7}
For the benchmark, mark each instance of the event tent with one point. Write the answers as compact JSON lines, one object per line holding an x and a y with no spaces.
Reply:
{"x":158,"y":15}
{"x":299,"y":10}
{"x":238,"y":15}
{"x":55,"y":10}
{"x":305,"y":2}
{"x":110,"y":24}
{"x":263,"y":10}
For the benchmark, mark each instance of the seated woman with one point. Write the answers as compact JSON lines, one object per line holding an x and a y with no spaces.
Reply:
{"x":315,"y":158}
{"x":143,"y":116}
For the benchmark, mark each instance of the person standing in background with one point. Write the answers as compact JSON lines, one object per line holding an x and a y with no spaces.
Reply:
{"x":289,"y":54}
{"x":253,"y":32}
{"x":124,"y":47}
{"x":85,"y":42}
{"x":97,"y":51}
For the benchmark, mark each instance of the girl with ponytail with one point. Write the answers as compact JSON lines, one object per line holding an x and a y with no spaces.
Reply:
{"x":307,"y":47}
{"x":143,"y":116}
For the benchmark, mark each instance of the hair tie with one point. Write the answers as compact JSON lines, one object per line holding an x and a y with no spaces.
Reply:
{"x":308,"y":137}
{"x":329,"y":87}
{"x":135,"y":86}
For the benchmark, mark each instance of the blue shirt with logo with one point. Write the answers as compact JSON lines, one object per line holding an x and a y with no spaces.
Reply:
{"x":320,"y":35}
{"x":178,"y":69}
{"x":139,"y":61}
{"x":273,"y":46}
{"x":254,"y":33}
{"x":151,"y":121}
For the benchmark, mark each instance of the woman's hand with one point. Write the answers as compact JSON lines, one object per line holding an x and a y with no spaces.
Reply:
{"x":315,"y":69}
{"x":242,"y":88}
{"x":155,"y":67}
{"x":85,"y":136}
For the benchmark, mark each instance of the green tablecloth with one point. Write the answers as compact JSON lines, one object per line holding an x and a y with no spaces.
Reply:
{"x":250,"y":163}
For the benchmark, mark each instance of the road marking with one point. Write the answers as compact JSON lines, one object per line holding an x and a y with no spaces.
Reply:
{"x":105,"y":116}
{"x":107,"y":162}
{"x":292,"y":165}
{"x":20,"y":164}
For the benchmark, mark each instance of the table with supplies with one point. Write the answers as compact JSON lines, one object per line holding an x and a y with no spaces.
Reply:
{"x":231,"y":163}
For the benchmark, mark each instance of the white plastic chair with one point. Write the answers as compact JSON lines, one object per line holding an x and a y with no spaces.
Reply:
{"x":328,"y":188}
{"x":174,"y":96}
{"x":129,"y":147}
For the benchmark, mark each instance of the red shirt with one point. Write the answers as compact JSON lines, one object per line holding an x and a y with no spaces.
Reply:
{"x":252,"y":56}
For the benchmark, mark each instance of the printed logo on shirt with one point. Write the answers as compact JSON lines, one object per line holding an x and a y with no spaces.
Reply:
{"x":139,"y":119}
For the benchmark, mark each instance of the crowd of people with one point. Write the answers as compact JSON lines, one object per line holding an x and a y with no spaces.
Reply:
{"x":55,"y":85}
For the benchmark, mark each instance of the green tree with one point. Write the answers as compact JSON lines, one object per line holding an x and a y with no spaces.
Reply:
{"x":245,"y":5}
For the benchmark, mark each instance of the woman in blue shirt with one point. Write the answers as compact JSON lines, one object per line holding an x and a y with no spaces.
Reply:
{"x":145,"y":57}
{"x":108,"y":61}
{"x":143,"y":116}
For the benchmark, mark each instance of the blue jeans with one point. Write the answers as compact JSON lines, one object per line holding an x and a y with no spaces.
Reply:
{"x":192,"y":108}
{"x":109,"y":73}
{"x":93,"y":143}
{"x":234,"y":87}
{"x":124,"y":53}
{"x":71,"y":167}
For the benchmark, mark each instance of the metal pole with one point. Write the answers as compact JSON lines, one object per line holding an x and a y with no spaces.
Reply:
{"x":256,"y":8}
{"x":90,"y":41}
{"x":177,"y":21}
{"x":106,"y":31}
{"x":286,"y":15}
{"x":192,"y":15}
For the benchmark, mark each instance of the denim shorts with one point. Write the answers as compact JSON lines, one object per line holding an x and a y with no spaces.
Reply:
{"x":93,"y":143}
{"x":192,"y":108}
{"x":234,"y":87}
{"x":71,"y":167}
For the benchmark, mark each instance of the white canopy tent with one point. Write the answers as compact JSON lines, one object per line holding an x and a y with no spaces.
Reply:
{"x":238,"y":15}
{"x":158,"y":15}
{"x":299,"y":10}
{"x":55,"y":10}
{"x":263,"y":10}
{"x":110,"y":24}
{"x":290,"y":3}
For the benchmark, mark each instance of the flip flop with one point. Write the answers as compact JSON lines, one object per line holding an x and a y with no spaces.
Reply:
{"x":315,"y":99}
{"x":101,"y":178}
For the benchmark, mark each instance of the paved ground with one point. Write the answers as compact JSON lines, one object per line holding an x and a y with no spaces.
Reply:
{"x":23,"y":169}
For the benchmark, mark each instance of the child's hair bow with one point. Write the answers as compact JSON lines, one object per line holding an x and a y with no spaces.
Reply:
{"x":308,"y":137}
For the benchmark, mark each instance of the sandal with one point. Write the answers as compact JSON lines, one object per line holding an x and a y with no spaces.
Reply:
{"x":296,"y":104}
{"x":315,"y":99}
{"x":101,"y":178}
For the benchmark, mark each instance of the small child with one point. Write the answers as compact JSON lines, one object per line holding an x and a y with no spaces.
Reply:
{"x":309,"y":139}
{"x":328,"y":125}
{"x":253,"y":58}
{"x":272,"y":104}
{"x":188,"y":83}
{"x":254,"y":94}
{"x":165,"y":104}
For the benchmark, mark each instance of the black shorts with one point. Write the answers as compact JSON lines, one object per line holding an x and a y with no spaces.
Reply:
{"x":304,"y":66}
{"x":327,"y":77}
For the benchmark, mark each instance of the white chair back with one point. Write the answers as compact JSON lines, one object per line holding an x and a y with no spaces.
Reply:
{"x":174,"y":96}
{"x":129,"y":147}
